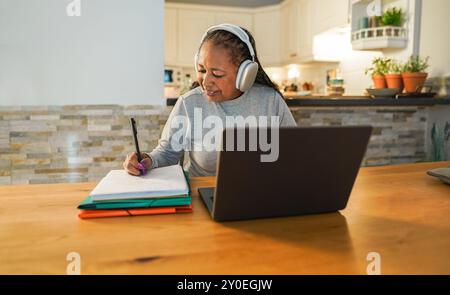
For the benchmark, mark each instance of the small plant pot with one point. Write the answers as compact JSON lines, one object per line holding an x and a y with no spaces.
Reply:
{"x":414,"y":81}
{"x":394,"y":81}
{"x":379,"y":81}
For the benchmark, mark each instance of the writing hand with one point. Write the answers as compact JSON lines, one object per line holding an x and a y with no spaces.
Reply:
{"x":133,"y":167}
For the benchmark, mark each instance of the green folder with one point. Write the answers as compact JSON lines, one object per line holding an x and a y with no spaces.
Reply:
{"x":89,"y":204}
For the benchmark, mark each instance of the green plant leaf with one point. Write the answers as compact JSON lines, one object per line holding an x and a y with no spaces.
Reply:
{"x":416,"y":64}
{"x":393,"y":17}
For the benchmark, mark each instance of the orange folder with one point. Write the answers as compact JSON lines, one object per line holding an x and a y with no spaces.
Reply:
{"x":85,"y":214}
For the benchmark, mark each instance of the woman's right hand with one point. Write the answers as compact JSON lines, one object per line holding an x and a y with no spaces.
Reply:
{"x":131,"y":163}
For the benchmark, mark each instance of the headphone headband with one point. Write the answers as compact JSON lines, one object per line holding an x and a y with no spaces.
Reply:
{"x":235,"y":30}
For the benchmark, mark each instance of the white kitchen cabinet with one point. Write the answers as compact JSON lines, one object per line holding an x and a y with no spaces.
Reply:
{"x":305,"y":32}
{"x":289,"y":31}
{"x":186,"y":24}
{"x":170,"y":36}
{"x":191,"y":26}
{"x":284,"y":33}
{"x":267,"y":36}
{"x":244,"y":20}
{"x":329,"y":14}
{"x":317,"y":17}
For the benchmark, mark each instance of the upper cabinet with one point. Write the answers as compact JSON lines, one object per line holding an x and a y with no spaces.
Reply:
{"x":329,"y":14}
{"x":191,"y":26}
{"x":305,"y":36}
{"x":186,"y":24}
{"x":170,"y":36}
{"x":284,"y":33}
{"x":289,"y":31}
{"x":267,"y":36}
{"x":241,"y":19}
{"x":301,"y":23}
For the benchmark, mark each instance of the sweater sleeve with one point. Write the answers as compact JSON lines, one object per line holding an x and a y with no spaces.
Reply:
{"x":170,"y":147}
{"x":286,"y":118}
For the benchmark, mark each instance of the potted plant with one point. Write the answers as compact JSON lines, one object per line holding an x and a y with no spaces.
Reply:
{"x":394,"y":76}
{"x":414,"y":75}
{"x":378,"y":70}
{"x":393,"y":17}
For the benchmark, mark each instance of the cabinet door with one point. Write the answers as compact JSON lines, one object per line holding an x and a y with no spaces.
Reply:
{"x":191,"y":27}
{"x":244,"y":20}
{"x":338,"y":13}
{"x":305,"y":32}
{"x":289,"y":31}
{"x":170,"y":36}
{"x":267,"y":37}
{"x":329,"y":14}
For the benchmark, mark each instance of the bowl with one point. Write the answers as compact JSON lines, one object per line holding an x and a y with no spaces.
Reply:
{"x":304,"y":93}
{"x":383,"y":92}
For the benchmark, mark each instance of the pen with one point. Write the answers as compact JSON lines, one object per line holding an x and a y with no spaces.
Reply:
{"x":141,"y":167}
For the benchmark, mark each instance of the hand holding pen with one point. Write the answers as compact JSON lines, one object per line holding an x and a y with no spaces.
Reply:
{"x":137,"y":163}
{"x":133,"y":167}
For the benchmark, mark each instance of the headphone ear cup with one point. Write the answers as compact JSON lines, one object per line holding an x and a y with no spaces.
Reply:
{"x":196,"y":61}
{"x":246,"y":75}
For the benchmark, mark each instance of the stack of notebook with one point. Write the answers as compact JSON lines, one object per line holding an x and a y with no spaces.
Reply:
{"x":161,"y":190}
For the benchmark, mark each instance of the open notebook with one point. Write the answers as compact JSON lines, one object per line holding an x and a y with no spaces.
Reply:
{"x":164,"y":182}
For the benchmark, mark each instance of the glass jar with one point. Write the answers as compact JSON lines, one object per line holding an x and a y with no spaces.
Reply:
{"x":336,"y":87}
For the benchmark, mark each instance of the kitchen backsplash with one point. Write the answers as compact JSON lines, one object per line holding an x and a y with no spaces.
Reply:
{"x":50,"y":144}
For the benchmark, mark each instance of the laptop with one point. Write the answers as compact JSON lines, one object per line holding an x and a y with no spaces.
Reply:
{"x":314,"y":173}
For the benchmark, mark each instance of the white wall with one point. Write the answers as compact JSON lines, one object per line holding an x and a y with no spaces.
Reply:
{"x":435,"y":36}
{"x":112,"y":54}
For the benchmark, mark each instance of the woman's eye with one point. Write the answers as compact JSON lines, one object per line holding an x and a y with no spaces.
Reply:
{"x":216,"y":75}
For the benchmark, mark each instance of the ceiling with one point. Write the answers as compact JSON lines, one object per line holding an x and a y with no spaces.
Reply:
{"x":237,"y":3}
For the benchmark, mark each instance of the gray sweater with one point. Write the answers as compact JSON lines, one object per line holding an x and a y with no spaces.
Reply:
{"x":256,"y":102}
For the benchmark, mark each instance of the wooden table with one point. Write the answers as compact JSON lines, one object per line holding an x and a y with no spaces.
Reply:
{"x":396,"y":211}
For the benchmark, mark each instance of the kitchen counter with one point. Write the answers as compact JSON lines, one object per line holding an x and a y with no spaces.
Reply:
{"x":403,"y":127}
{"x":354,"y":101}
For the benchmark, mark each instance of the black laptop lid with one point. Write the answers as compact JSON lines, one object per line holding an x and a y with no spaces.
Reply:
{"x":314,"y":173}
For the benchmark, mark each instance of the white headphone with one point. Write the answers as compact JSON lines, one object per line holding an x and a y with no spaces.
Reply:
{"x":248,"y":69}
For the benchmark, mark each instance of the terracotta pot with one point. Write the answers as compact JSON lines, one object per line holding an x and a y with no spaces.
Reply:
{"x":394,"y":81}
{"x":413,"y":81}
{"x":379,"y":81}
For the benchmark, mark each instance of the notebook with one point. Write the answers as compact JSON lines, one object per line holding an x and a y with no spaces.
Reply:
{"x":164,"y":182}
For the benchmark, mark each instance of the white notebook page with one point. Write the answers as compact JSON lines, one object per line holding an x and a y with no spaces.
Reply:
{"x":159,"y":182}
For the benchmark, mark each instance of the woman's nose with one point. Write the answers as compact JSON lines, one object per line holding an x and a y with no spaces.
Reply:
{"x":208,"y":79}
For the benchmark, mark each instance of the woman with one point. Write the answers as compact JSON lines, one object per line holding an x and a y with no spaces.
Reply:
{"x":230,"y":83}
